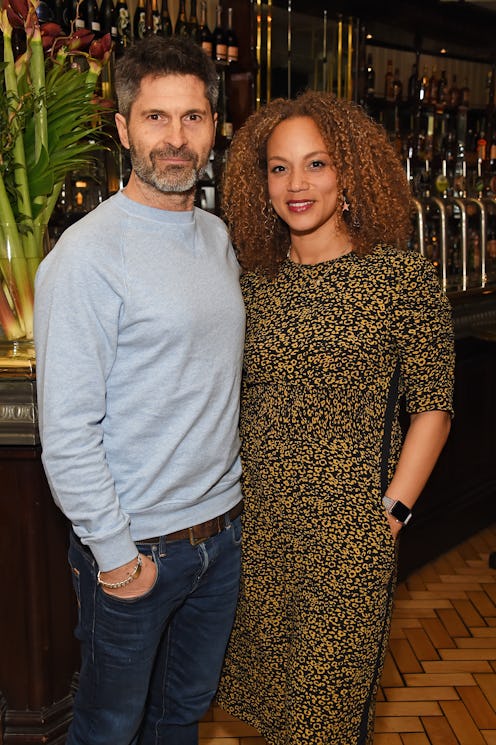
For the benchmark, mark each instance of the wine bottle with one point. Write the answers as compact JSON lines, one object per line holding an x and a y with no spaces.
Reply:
{"x":57,"y":8}
{"x":388,"y":81}
{"x":424,"y":86}
{"x":454,"y":93}
{"x":157,"y":20}
{"x":231,"y":39}
{"x":442,"y":89}
{"x":122,"y":23}
{"x":106,"y":17}
{"x":465,"y":94}
{"x":370,"y":78}
{"x":91,"y":16}
{"x":166,"y":23}
{"x":139,"y":24}
{"x":413,"y":85}
{"x":181,"y":28}
{"x":219,"y":38}
{"x":433,"y":86}
{"x":397,"y":86}
{"x":193,"y":27}
{"x":148,"y":18}
{"x":205,"y":37}
{"x":69,"y":15}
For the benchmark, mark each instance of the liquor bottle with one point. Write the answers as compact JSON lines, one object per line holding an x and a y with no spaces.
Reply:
{"x":219,"y":38}
{"x":193,"y":27}
{"x":139,"y":22}
{"x":106,"y":17}
{"x":413,"y":86}
{"x":482,"y":146}
{"x":454,"y":93}
{"x":166,"y":23}
{"x":424,"y":87}
{"x":433,"y":86}
{"x":489,"y":88}
{"x":370,"y":78}
{"x":388,"y":81}
{"x":442,"y":89}
{"x":181,"y":28}
{"x":122,"y":23}
{"x":397,"y":86}
{"x":465,"y":94}
{"x":231,"y":39}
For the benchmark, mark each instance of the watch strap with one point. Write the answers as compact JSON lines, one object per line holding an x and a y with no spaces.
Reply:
{"x":397,"y":509}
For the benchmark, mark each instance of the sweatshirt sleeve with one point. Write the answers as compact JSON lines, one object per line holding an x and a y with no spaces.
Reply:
{"x":78,"y":302}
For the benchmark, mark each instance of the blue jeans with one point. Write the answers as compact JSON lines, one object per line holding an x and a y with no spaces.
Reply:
{"x":150,"y":665}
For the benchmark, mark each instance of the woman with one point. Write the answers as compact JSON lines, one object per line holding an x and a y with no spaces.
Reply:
{"x":341,"y":321}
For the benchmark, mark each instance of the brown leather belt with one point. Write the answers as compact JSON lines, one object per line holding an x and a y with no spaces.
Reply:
{"x":201,"y":532}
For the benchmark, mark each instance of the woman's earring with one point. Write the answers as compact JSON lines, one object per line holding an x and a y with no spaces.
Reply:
{"x":349,"y":214}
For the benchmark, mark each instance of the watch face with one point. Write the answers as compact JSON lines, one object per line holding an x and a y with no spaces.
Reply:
{"x":401,"y":512}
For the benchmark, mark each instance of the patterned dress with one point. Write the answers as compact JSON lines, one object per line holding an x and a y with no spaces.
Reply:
{"x":322,"y":346}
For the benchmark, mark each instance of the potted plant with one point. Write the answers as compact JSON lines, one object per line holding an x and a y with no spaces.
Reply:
{"x":51,"y":122}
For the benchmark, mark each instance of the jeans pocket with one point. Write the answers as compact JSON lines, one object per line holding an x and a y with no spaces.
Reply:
{"x":236,"y":531}
{"x":137,"y":598}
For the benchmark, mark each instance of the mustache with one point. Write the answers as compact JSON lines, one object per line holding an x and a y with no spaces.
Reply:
{"x":174,"y":152}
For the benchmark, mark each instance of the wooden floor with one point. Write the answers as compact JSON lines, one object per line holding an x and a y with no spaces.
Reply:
{"x":439,"y":681}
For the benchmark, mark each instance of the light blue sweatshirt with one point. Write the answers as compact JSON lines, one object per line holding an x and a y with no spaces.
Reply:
{"x":139,"y":327}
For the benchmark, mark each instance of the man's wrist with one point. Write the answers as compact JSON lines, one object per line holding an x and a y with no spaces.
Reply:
{"x":121,"y":576}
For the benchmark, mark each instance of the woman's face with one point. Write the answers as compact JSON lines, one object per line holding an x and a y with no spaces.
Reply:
{"x":301,"y":180}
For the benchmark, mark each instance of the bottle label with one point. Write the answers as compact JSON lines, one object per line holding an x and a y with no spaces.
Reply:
{"x":79,"y":23}
{"x":220,"y":51}
{"x":95,"y":26}
{"x":232,"y":54}
{"x":207,"y":47}
{"x":227,"y":130}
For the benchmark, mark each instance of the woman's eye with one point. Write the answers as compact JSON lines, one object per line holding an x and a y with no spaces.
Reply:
{"x":277,"y":169}
{"x":317,"y":164}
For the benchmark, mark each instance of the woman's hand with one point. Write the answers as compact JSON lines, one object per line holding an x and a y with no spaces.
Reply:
{"x":394,"y":525}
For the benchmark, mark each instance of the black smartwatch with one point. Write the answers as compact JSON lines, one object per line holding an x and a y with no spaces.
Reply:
{"x":397,"y":509}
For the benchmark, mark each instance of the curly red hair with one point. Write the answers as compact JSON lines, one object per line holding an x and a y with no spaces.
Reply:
{"x":368,"y":171}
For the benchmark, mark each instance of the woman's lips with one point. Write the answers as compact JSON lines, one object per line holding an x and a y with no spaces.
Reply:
{"x":300,"y":206}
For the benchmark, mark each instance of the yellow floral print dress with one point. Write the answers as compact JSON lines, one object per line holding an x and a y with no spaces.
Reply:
{"x":319,"y":560}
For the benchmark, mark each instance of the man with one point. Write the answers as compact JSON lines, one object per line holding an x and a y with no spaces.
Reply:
{"x":139,"y":332}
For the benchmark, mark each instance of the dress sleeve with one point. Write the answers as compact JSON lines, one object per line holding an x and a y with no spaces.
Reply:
{"x":423,"y":329}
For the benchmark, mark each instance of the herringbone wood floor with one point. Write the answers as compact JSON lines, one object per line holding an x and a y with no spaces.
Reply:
{"x":439,"y":681}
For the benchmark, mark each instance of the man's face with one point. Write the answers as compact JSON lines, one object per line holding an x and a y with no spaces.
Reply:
{"x":170,"y":132}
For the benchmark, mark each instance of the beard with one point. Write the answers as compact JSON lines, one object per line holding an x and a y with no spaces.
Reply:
{"x":167,"y":178}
